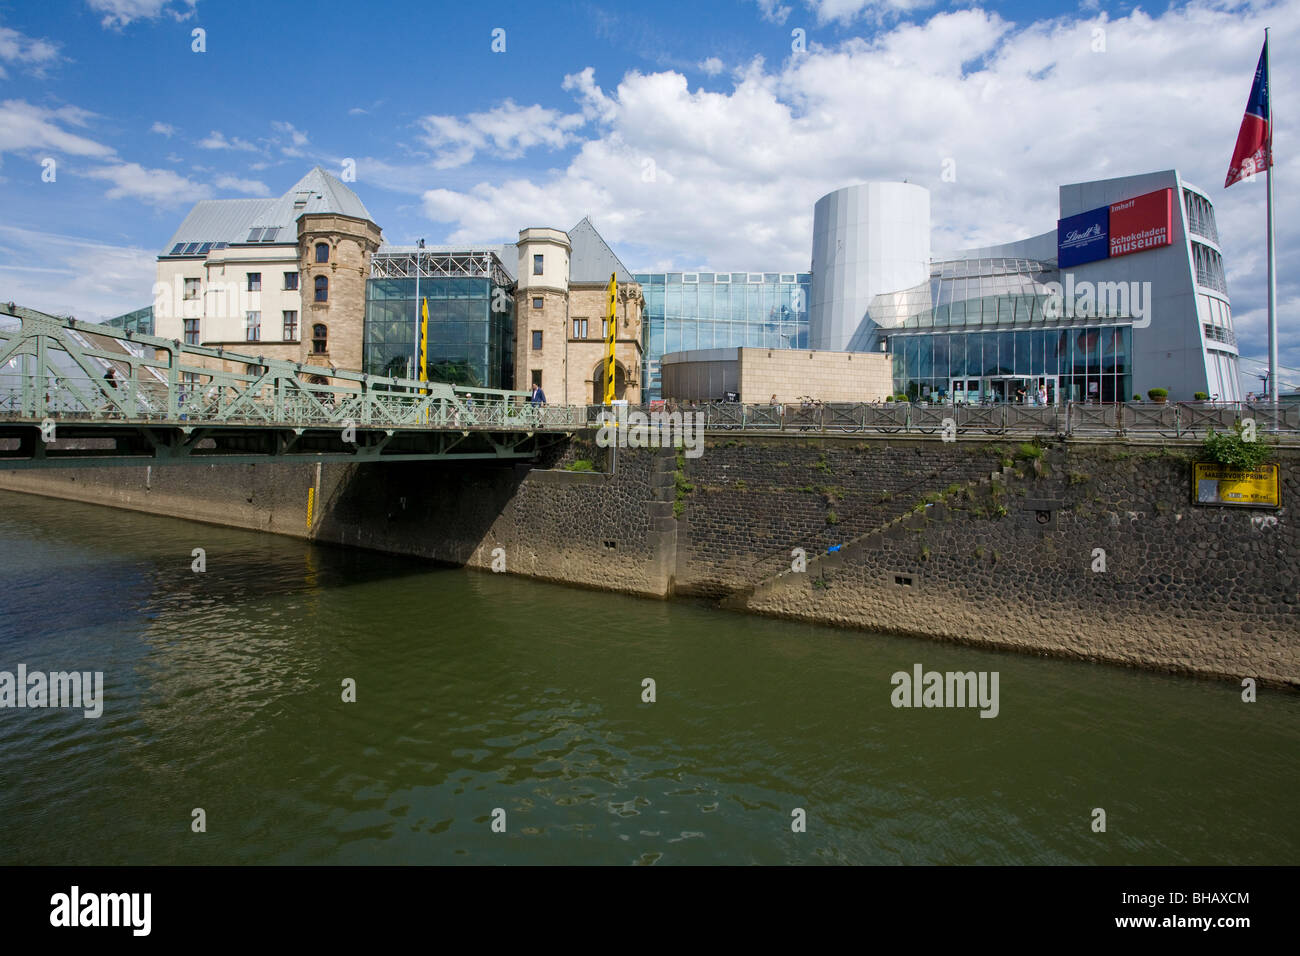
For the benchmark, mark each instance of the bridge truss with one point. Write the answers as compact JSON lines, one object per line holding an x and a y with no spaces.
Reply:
{"x":164,"y":402}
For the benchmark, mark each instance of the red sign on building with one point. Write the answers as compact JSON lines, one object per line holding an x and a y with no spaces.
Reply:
{"x":1141,"y":223}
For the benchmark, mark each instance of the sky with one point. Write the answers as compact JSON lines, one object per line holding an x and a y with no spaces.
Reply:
{"x":695,"y":135}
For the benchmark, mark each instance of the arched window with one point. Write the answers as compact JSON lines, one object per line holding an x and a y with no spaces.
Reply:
{"x":322,"y":252}
{"x":319,"y":339}
{"x":322,"y":289}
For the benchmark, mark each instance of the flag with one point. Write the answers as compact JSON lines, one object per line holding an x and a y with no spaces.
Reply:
{"x":1254,"y":152}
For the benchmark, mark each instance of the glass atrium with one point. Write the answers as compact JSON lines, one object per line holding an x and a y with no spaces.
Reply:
{"x":978,"y":332}
{"x":469,"y":343}
{"x":707,"y":310}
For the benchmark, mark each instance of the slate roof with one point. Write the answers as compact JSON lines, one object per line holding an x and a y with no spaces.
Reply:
{"x":590,"y":257}
{"x":231,"y":220}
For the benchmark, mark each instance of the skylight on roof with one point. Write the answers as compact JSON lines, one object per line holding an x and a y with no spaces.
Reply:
{"x":176,"y":249}
{"x":270,"y":234}
{"x":255,"y":235}
{"x":203,"y":249}
{"x":190,"y":249}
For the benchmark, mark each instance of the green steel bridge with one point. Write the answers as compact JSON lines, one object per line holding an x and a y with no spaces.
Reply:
{"x":167,"y":407}
{"x":75,"y":394}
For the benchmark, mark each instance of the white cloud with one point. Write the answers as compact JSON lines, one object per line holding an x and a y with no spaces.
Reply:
{"x":157,"y":187}
{"x":506,"y":131}
{"x":217,"y":140}
{"x":712,"y":66}
{"x":23,"y":51}
{"x":254,"y":187}
{"x":846,"y":11}
{"x":163,"y":129}
{"x":119,"y":13}
{"x":773,"y":11}
{"x":69,"y":275}
{"x":27,"y":128}
{"x":297,"y":139}
{"x":1019,"y":109}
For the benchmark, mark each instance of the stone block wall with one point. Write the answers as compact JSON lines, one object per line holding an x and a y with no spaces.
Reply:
{"x":822,"y":376}
{"x":1086,"y":549}
{"x":1101,"y":556}
{"x":751,"y":500}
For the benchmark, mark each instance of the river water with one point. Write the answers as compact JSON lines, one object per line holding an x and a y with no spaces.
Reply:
{"x":476,"y":693}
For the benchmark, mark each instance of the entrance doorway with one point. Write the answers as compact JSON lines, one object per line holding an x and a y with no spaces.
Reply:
{"x":1010,"y":390}
{"x":965,"y":391}
{"x":1002,"y":389}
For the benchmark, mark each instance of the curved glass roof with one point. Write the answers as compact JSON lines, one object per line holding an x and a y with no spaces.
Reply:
{"x":972,"y":292}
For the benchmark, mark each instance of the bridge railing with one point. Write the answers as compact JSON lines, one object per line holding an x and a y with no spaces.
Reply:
{"x":1172,"y":420}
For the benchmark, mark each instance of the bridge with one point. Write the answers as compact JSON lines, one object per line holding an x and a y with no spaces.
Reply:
{"x":76,"y":394}
{"x":168,"y":404}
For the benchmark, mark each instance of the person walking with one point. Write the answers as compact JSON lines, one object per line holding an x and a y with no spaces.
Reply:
{"x":538,"y":397}
{"x":1042,"y":393}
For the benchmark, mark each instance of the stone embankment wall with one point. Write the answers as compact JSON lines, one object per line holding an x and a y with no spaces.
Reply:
{"x":1087,"y":549}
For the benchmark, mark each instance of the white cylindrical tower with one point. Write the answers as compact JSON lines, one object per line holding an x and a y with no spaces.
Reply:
{"x":867,"y":239}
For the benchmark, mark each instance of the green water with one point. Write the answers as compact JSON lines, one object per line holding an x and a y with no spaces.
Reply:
{"x":477,"y":691}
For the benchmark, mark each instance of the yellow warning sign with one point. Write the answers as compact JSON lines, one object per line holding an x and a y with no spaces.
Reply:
{"x":1214,"y":484}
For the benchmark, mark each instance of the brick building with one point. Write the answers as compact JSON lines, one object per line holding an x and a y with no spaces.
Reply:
{"x":561,"y":308}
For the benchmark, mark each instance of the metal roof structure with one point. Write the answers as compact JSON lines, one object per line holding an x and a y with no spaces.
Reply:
{"x":439,"y":262}
{"x":591,"y":259}
{"x":217,"y":223}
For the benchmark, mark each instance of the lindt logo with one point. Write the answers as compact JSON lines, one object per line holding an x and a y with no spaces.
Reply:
{"x":1092,"y":232}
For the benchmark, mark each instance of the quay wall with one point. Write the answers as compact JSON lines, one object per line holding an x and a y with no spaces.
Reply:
{"x":1086,"y":549}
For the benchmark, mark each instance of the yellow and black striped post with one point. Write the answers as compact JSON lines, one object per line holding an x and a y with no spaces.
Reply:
{"x":424,"y":341}
{"x":424,"y":350}
{"x":609,"y":341}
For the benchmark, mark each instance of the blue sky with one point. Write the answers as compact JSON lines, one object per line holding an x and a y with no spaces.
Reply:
{"x":693,"y":134}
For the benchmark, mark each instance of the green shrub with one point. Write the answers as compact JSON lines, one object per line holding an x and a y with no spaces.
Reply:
{"x":1157,"y":393}
{"x":1137,"y":398}
{"x":582,"y":464}
{"x":889,"y":398}
{"x":1029,"y":451}
{"x":1201,"y":396}
{"x":1234,"y":451}
{"x":900,"y":397}
{"x":832,"y":517}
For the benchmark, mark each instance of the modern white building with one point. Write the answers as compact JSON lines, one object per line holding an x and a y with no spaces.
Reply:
{"x":1126,"y":294}
{"x":868,"y":239}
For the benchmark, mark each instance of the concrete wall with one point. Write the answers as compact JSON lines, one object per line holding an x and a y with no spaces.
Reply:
{"x":930,"y":542}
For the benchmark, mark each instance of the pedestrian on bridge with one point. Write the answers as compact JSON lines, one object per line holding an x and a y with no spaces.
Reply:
{"x":538,"y":397}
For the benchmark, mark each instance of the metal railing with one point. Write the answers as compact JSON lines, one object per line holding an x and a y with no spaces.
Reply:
{"x":49,"y":368}
{"x":1167,"y":420}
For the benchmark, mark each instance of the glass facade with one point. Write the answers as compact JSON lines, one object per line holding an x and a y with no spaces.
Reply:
{"x":1075,"y":364}
{"x":708,"y":310}
{"x":469,"y":343}
{"x":140,"y":321}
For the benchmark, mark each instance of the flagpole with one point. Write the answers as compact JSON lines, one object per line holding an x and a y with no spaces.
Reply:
{"x":1272,"y":261}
